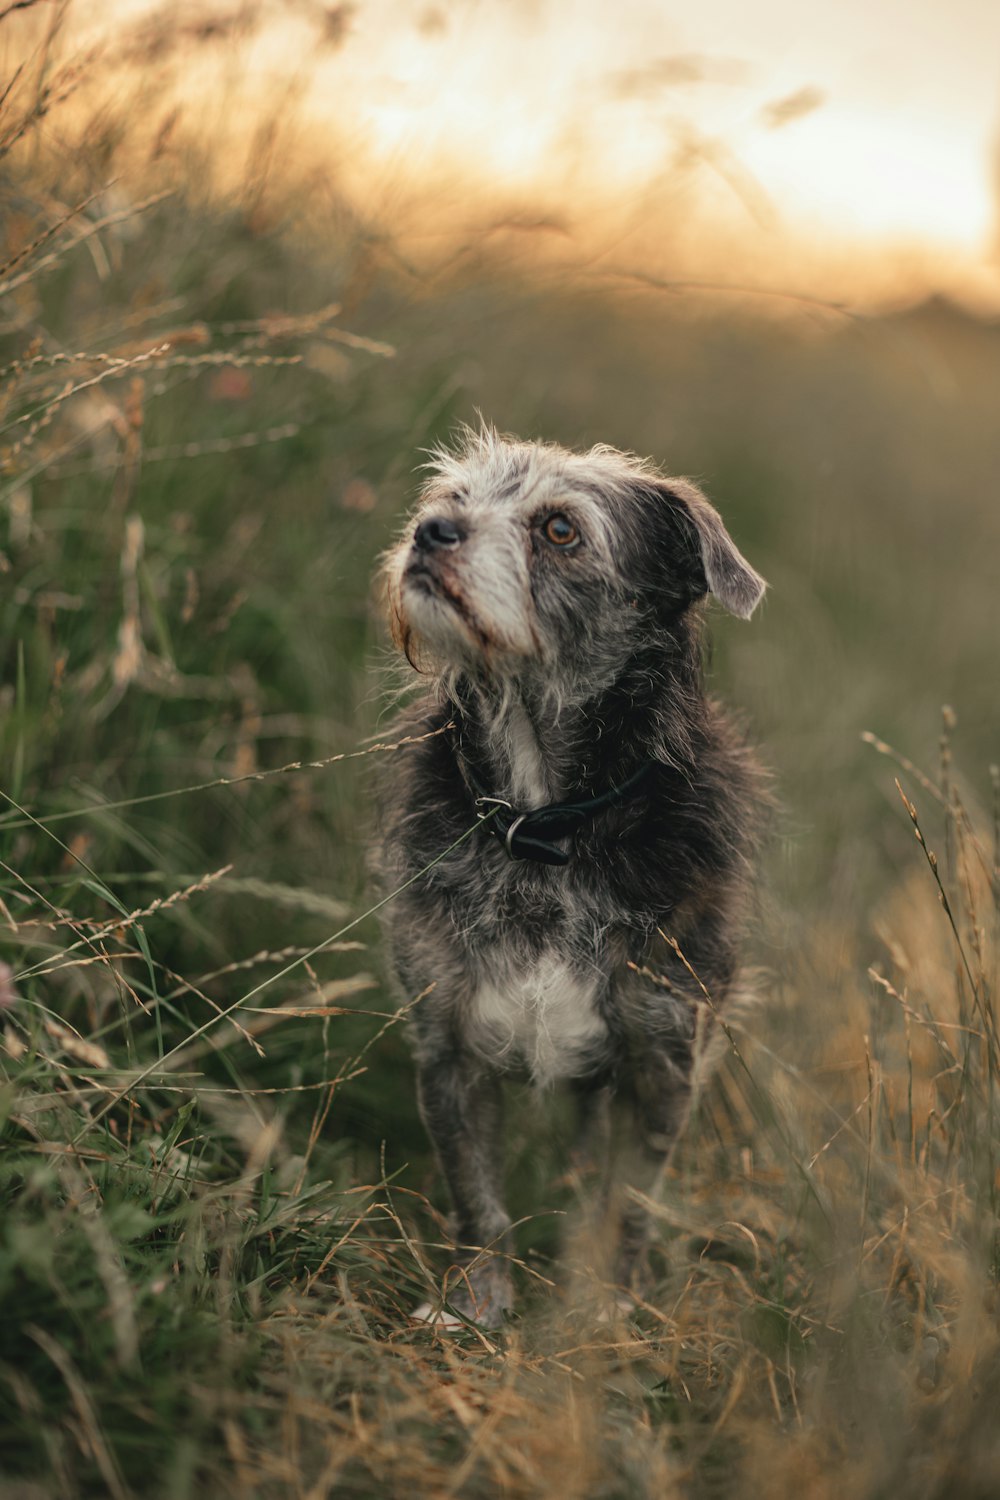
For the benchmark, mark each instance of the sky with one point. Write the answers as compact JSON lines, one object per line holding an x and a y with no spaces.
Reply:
{"x":905,"y":96}
{"x":822,"y":135}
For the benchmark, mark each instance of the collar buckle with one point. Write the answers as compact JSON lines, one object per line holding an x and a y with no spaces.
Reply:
{"x":486,"y":806}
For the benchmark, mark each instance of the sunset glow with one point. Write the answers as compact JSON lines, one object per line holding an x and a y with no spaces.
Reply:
{"x":787,"y":142}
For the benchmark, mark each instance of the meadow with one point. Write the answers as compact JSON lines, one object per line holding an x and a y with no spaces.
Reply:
{"x":219,"y":1205}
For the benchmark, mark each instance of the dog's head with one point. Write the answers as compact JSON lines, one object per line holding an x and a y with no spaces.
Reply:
{"x":524,"y":559}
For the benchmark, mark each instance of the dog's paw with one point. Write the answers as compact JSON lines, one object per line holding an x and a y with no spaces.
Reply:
{"x":619,"y":1305}
{"x":435,"y":1317}
{"x":482,"y":1295}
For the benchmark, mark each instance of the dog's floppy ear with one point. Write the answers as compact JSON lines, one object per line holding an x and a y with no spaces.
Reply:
{"x":727,"y":574}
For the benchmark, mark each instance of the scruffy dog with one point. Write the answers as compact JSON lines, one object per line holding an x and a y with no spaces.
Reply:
{"x":553,"y":600}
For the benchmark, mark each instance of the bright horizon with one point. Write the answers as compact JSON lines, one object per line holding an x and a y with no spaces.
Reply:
{"x":826,"y":145}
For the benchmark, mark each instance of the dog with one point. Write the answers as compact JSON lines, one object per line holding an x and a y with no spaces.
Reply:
{"x":568,"y":800}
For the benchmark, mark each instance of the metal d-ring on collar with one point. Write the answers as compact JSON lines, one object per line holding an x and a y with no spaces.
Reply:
{"x":508,"y":842}
{"x":530,"y":835}
{"x":487,"y":806}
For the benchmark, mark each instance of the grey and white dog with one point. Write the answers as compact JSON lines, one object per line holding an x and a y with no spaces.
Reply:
{"x":553,"y":601}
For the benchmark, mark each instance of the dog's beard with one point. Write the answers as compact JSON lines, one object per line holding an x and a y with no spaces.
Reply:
{"x":435,"y":625}
{"x":443,"y":618}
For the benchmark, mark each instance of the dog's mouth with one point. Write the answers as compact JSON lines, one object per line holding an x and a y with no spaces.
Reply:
{"x":444,"y":609}
{"x":431,"y":583}
{"x":428,"y":581}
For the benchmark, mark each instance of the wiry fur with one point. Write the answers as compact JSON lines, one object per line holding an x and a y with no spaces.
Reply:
{"x":562,"y":670}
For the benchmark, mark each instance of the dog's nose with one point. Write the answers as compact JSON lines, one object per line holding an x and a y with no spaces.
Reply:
{"x":435,"y":533}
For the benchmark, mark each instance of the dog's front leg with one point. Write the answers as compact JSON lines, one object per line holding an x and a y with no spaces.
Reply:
{"x":461,"y":1104}
{"x":650,"y":1114}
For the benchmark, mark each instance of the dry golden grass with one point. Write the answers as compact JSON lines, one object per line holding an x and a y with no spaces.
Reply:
{"x":213,"y":1179}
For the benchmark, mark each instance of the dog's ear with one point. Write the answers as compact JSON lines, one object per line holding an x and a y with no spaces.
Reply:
{"x":724,"y":570}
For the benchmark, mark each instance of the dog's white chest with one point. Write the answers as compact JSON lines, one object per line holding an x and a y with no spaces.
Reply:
{"x":544,"y":1016}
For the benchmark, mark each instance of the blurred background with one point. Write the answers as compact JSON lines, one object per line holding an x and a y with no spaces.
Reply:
{"x":254,"y":258}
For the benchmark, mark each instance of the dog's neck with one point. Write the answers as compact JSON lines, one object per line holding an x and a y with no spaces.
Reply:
{"x":518,"y":752}
{"x":533,"y":748}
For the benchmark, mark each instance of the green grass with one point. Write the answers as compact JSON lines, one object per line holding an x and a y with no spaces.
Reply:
{"x":218,"y":1202}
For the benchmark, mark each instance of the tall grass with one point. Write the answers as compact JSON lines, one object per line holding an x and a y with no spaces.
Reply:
{"x":218,"y":1204}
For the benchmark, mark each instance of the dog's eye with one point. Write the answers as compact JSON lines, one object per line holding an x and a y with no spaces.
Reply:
{"x":560,"y":531}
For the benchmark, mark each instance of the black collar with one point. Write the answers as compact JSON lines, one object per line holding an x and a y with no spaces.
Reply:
{"x":529,"y":835}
